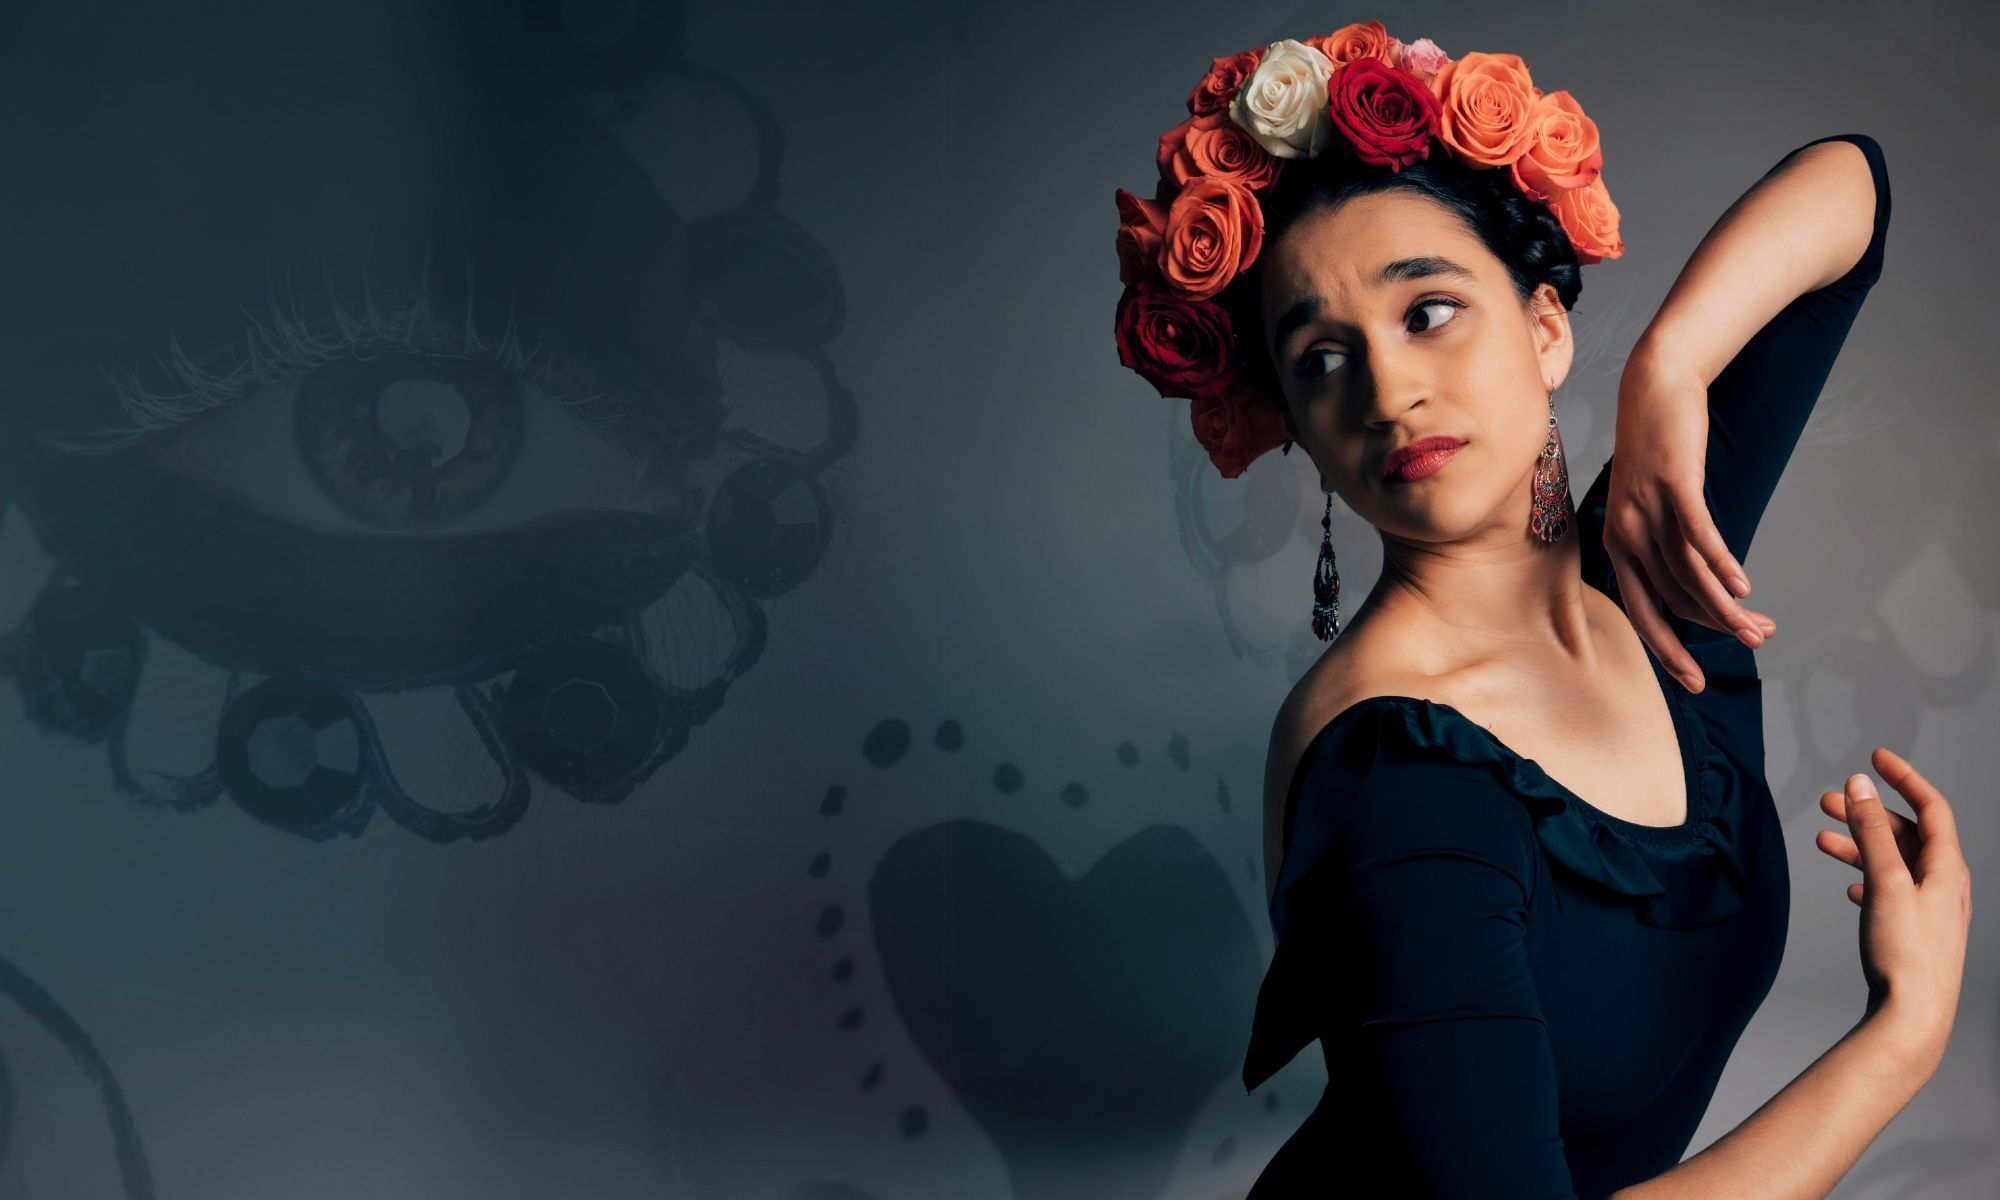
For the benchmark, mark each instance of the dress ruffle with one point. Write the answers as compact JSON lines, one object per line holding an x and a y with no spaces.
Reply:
{"x":1664,"y":870}
{"x":1686,"y":876}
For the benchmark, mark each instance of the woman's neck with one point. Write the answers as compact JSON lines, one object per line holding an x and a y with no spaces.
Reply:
{"x":1501,"y":596}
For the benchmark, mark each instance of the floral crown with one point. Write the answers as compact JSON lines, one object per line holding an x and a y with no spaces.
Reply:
{"x":1369,"y":95}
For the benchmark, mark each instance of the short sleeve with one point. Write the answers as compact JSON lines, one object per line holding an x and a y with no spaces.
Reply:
{"x":1417,"y":911}
{"x":1759,"y":404}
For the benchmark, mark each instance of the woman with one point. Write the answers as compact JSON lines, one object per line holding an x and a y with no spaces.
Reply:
{"x":1520,"y":992}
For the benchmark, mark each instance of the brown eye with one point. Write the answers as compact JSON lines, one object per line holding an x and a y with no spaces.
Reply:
{"x":1308,"y":375}
{"x":1436,"y":302}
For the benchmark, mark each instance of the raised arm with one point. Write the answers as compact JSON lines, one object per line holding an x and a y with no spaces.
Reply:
{"x":1761,"y":311}
{"x":1718,"y":389}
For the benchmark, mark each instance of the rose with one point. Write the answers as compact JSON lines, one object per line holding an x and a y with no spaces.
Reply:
{"x":1591,"y":220}
{"x":1179,"y":346}
{"x":1563,"y":149}
{"x":1141,"y":224}
{"x":1283,"y":103}
{"x":1236,"y":422}
{"x":1214,"y":230}
{"x":1218,"y":87}
{"x":1386,"y":114}
{"x":1351,"y":43}
{"x":1487,"y":101}
{"x":1423,"y":59}
{"x":1215,"y":145}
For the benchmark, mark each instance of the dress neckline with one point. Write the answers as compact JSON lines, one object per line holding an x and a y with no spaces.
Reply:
{"x":1686,"y":736}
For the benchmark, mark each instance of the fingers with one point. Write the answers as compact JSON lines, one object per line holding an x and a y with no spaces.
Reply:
{"x":1706,"y":562}
{"x":1834,"y":804}
{"x":1874,"y":836}
{"x":1838,"y":846}
{"x":1644,"y":612}
{"x":1934,"y":816}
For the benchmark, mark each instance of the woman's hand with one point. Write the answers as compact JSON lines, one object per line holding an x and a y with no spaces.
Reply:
{"x":1657,"y":529}
{"x":1915,"y":898}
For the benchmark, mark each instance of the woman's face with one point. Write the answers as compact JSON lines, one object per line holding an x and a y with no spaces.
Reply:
{"x":1389,"y":321}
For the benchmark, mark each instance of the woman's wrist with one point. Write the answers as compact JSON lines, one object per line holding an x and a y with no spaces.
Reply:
{"x":1915,"y":1039}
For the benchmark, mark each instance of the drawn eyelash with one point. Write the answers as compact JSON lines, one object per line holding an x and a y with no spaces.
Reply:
{"x":285,"y":344}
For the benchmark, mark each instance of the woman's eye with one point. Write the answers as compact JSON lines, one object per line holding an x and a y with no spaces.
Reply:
{"x":1438,"y":303}
{"x":1309,"y":375}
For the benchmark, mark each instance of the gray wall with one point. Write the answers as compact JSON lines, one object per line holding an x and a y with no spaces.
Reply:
{"x":881,"y":819}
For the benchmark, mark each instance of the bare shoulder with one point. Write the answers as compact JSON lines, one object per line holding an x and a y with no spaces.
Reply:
{"x":1367,"y":660}
{"x":1349,"y":672}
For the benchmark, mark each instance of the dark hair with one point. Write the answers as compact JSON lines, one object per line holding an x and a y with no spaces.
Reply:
{"x":1523,"y":234}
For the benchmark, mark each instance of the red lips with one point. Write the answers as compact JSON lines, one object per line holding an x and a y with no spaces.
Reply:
{"x":1419,"y":458}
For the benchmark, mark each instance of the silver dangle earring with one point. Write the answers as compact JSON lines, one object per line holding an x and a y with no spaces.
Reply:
{"x":1553,"y":508}
{"x":1326,"y":581}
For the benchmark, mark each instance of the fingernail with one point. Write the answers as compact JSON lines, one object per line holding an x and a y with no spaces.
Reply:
{"x":1861,"y":786}
{"x":1739,"y":585}
{"x":1749,"y":637}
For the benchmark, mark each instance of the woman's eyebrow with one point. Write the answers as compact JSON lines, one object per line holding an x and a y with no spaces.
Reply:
{"x":1402,"y":270}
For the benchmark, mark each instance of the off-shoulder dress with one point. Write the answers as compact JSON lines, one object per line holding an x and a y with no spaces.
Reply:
{"x":1517,"y":994}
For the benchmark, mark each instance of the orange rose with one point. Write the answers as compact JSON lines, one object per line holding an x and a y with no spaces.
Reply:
{"x":1218,"y":87}
{"x":1141,"y":223}
{"x":1363,"y":39}
{"x":1213,"y":144}
{"x":1235,"y":422}
{"x":1590,"y":220}
{"x":1214,"y":230}
{"x":1489,"y":103}
{"x":1563,"y":150}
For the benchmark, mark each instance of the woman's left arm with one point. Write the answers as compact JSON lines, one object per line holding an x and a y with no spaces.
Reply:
{"x":1806,"y":225}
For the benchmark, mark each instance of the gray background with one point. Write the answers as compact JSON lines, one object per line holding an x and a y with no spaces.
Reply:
{"x":954,"y":888}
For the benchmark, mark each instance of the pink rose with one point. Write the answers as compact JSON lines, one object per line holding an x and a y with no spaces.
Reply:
{"x":1423,"y":59}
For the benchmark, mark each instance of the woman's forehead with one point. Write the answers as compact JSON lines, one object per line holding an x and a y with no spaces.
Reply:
{"x":1350,"y":249}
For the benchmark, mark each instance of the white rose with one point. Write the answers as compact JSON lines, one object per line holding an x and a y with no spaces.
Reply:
{"x":1283,"y":103}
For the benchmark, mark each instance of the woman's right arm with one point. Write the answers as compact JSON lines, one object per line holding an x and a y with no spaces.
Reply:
{"x":1916,"y":916}
{"x":1805,"y":1138}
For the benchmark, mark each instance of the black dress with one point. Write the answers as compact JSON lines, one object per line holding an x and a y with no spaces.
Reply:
{"x":1517,"y":994}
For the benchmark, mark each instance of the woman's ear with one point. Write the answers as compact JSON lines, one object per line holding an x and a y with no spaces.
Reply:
{"x":1555,"y":348}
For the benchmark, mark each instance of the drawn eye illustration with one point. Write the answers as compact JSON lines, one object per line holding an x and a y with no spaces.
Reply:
{"x":522,"y":468}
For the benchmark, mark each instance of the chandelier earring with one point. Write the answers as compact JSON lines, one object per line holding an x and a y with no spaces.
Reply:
{"x":1326,"y":581}
{"x":1553,"y":509}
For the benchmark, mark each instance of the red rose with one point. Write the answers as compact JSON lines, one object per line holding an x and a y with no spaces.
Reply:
{"x":1179,"y":346}
{"x":1218,"y":87}
{"x":1215,"y":228}
{"x":1140,"y":225}
{"x":1236,"y":422}
{"x":1217,"y":146}
{"x":1387,"y":114}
